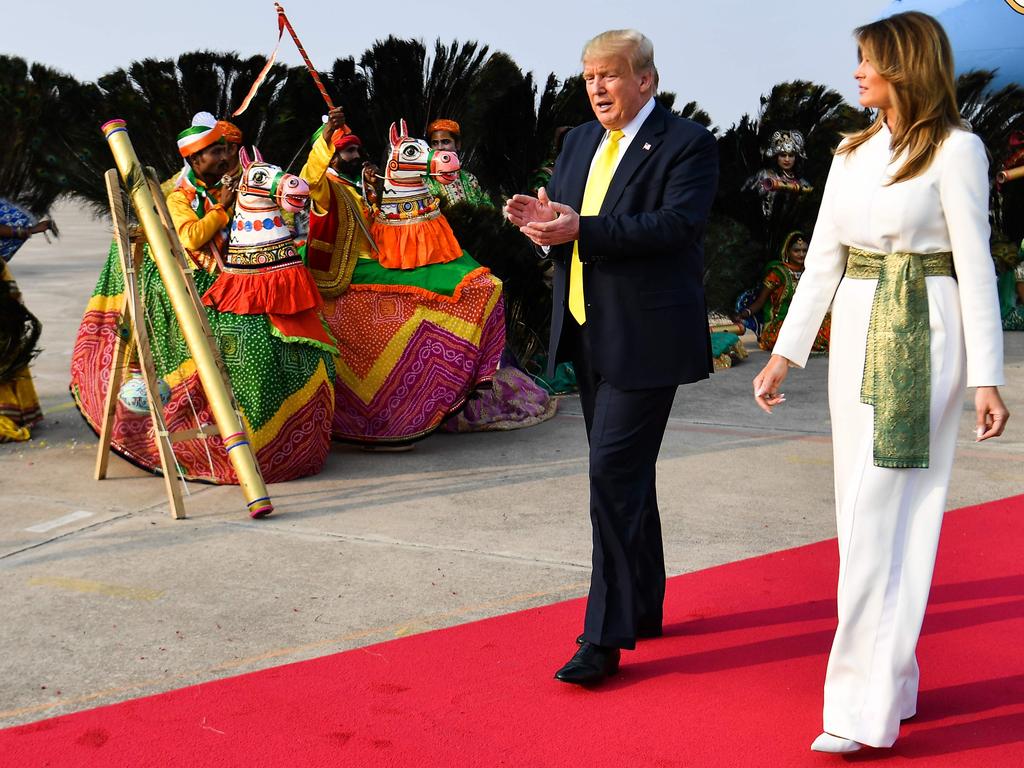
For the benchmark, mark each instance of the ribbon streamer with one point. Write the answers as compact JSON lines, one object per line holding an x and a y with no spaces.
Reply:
{"x":266,"y":67}
{"x":282,"y":23}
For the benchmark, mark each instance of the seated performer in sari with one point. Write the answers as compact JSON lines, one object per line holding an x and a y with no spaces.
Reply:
{"x":777,"y":288}
{"x":419,"y":323}
{"x":1010,"y":284}
{"x":283,"y":381}
{"x":19,"y":332}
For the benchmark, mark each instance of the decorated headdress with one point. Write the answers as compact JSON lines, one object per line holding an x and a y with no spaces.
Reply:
{"x":231,"y":132}
{"x":203,"y":132}
{"x":786,"y":142}
{"x":444,"y":124}
{"x":791,"y":238}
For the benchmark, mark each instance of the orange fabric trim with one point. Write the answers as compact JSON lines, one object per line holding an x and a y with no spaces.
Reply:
{"x":407,"y":246}
{"x":303,"y":325}
{"x":286,"y":291}
{"x":416,"y":290}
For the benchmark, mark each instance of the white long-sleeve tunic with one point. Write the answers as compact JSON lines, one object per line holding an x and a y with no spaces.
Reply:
{"x":888,"y":520}
{"x":943,"y":209}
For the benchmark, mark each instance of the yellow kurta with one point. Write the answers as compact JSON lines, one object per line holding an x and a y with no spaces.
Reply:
{"x":316,"y":172}
{"x":197,"y":233}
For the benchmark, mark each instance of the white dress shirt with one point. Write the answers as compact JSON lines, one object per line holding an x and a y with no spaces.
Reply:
{"x":629,"y":131}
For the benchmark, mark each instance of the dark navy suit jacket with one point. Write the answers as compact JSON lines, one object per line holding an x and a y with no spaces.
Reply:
{"x":643,"y":257}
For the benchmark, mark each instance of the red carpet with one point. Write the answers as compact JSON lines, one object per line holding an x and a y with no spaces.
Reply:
{"x":736,"y":682}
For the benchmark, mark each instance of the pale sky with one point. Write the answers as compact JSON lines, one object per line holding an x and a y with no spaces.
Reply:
{"x":723,"y":53}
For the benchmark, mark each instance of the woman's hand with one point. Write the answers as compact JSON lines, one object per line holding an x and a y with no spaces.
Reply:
{"x":992,"y":413}
{"x":768,"y":381}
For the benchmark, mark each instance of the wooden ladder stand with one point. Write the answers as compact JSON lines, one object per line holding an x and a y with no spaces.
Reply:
{"x":133,"y":328}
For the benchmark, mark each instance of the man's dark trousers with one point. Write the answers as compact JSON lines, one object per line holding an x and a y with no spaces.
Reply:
{"x":624,"y":430}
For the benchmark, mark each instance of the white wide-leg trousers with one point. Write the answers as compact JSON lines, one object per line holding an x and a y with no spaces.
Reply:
{"x":888,"y":522}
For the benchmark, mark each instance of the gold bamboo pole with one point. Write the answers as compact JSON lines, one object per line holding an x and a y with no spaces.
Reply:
{"x":236,"y":441}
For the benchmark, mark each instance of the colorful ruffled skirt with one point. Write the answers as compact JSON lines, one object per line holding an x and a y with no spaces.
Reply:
{"x":770,"y":333}
{"x":514,"y":401}
{"x":19,"y":407}
{"x":413,"y":345}
{"x":285,"y":390}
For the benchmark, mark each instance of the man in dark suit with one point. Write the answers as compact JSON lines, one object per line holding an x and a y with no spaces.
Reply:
{"x":623,"y":220}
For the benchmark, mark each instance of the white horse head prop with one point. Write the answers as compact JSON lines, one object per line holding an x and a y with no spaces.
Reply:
{"x":259,"y":234}
{"x":412,"y":158}
{"x":263,"y":179}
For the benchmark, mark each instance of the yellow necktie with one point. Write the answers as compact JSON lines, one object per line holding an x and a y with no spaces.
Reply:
{"x":597,"y":185}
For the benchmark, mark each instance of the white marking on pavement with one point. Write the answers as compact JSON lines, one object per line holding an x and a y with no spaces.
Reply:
{"x":51,"y":524}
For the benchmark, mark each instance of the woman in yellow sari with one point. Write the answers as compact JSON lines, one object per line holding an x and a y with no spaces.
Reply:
{"x":19,"y":332}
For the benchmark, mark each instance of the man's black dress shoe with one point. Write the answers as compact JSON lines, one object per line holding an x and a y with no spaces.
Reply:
{"x":590,"y":665}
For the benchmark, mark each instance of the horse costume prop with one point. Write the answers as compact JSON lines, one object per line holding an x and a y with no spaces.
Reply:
{"x":263,"y":272}
{"x":262,"y":306}
{"x":421,"y":325}
{"x":408,"y":226}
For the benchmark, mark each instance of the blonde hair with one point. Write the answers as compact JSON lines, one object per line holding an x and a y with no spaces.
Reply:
{"x":633,"y":47}
{"x":912,"y":52}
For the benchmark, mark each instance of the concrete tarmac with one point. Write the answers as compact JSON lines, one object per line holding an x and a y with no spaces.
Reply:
{"x":104,"y":597}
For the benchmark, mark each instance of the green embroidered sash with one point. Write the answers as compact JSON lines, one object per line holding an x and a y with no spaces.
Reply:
{"x":897,"y":359}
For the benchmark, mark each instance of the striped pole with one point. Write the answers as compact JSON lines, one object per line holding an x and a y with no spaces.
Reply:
{"x":282,"y":19}
{"x":228,"y":422}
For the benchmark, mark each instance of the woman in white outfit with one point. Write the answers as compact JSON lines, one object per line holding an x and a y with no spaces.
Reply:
{"x":905,"y":209}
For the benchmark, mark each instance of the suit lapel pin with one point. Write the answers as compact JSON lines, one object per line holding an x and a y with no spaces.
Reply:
{"x":647,"y":147}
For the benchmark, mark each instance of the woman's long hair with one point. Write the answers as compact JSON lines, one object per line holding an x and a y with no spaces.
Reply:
{"x":912,"y":52}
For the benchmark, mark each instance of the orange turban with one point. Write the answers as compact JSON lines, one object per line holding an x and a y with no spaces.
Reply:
{"x":444,"y":125}
{"x":231,"y":132}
